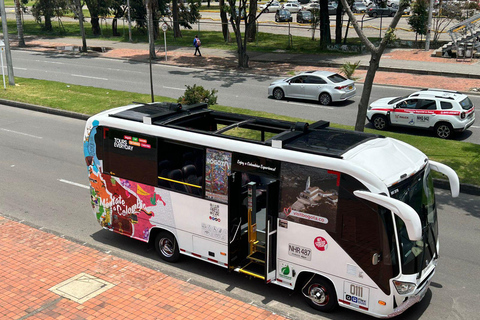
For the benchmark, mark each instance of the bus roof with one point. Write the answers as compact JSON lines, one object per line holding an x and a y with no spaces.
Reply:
{"x":317,"y":138}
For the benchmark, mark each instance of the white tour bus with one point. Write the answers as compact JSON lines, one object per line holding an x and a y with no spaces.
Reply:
{"x":349,"y":218}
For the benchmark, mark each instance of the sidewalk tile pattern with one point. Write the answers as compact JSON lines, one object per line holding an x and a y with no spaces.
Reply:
{"x":34,"y":261}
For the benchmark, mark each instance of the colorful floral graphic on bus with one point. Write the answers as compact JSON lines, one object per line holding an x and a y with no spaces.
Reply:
{"x":124,"y":206}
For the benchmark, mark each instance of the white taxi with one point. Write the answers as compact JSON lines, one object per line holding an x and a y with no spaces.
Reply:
{"x":444,"y":111}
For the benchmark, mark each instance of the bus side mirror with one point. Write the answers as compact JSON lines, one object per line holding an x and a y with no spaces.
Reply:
{"x":451,"y":175}
{"x":402,"y":210}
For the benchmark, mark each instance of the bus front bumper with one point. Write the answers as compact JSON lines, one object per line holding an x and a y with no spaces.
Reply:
{"x":411,"y":300}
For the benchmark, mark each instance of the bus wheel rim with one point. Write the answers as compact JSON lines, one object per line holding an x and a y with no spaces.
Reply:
{"x":318,"y":294}
{"x":167,"y":247}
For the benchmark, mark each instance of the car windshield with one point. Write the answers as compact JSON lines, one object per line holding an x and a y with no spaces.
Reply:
{"x":418,"y":192}
{"x":397,"y":99}
{"x":466,"y":104}
{"x":336,"y":78}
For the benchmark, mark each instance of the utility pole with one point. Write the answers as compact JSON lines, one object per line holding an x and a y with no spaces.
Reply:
{"x":8,"y":54}
{"x":429,"y":26}
{"x":129,"y":22}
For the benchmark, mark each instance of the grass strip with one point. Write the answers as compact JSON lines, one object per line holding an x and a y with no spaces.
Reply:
{"x":463,"y":157}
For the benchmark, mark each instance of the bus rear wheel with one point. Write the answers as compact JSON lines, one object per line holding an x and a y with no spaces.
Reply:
{"x":167,"y":247}
{"x":320,"y":294}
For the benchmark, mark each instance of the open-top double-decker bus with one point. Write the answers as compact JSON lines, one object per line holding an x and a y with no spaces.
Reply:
{"x":349,"y":218}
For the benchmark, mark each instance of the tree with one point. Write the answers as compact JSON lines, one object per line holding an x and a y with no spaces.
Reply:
{"x":449,"y":13}
{"x":18,"y":15}
{"x":419,"y":18}
{"x":48,"y":9}
{"x":151,"y":29}
{"x":339,"y":23}
{"x":224,"y":19}
{"x":375,"y":56}
{"x":235,"y":20}
{"x":97,"y":9}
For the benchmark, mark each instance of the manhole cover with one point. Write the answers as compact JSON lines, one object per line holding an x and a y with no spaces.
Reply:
{"x":81,"y":288}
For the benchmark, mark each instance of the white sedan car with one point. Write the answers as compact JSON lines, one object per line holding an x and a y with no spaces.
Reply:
{"x":292,"y":7}
{"x":323,"y":86}
{"x":271,"y":6}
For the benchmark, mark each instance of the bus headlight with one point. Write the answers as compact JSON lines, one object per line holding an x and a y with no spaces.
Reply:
{"x":404,"y":287}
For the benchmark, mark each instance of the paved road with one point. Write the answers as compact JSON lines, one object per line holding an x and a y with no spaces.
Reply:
{"x":44,"y":180}
{"x":240,"y":90}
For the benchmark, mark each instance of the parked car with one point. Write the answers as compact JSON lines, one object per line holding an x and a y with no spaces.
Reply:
{"x":359,"y":7}
{"x":283,"y":15}
{"x":323,"y":86}
{"x":292,"y":7}
{"x":273,"y":7}
{"x":376,"y":11}
{"x":304,"y":16}
{"x":444,"y":111}
{"x":312,"y":6}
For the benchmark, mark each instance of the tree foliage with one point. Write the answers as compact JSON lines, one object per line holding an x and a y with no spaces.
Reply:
{"x":198,"y":94}
{"x":419,"y":17}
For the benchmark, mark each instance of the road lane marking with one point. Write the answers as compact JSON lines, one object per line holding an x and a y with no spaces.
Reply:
{"x":476,"y":127}
{"x":74,"y":184}
{"x":306,"y":105}
{"x":173,"y":88}
{"x":89,"y":77}
{"x":21,"y":133}
{"x":17,"y":68}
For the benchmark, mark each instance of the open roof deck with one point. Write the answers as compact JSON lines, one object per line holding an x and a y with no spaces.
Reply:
{"x":316,"y":138}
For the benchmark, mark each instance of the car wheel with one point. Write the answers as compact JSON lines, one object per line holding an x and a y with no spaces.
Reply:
{"x":167,"y":247}
{"x":320,"y":295}
{"x":266,"y":11}
{"x":278,"y":94}
{"x":379,"y":122}
{"x":374,"y":15}
{"x":392,"y":14}
{"x":443,"y":130}
{"x":325,"y":99}
{"x":276,"y":19}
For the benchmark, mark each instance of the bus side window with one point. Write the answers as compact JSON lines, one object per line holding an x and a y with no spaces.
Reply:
{"x":181,"y":168}
{"x":129,"y":155}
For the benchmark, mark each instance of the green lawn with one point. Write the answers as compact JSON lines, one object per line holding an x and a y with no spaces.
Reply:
{"x":463,"y":157}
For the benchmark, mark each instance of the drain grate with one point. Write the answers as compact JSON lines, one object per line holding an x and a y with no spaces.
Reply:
{"x":81,"y":287}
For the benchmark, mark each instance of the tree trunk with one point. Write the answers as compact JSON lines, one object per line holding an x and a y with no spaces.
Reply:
{"x":367,"y":90}
{"x":252,"y":26}
{"x":80,"y":23}
{"x":325,"y":36}
{"x":176,"y":24}
{"x":346,"y":32}
{"x":150,"y":27}
{"x":48,"y":23}
{"x":339,"y":24}
{"x":18,"y":15}
{"x":95,"y":22}
{"x":223,"y":17}
{"x":115,"y":27}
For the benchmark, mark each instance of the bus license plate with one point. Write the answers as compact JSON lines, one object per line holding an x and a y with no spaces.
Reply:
{"x":299,"y":252}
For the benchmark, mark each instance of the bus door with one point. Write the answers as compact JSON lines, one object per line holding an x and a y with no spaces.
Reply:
{"x":252,"y":227}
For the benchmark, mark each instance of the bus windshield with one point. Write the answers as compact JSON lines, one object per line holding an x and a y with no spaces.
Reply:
{"x":418,"y":192}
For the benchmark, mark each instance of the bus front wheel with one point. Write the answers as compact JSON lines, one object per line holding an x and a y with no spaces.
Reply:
{"x":320,"y":294}
{"x":167,"y":247}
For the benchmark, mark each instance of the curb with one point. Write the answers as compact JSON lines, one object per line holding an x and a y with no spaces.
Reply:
{"x":438,"y":183}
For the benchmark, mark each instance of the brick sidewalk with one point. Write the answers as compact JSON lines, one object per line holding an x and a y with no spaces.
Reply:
{"x":33,"y":262}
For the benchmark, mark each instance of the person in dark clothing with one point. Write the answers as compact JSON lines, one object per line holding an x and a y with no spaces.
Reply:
{"x":197,"y":43}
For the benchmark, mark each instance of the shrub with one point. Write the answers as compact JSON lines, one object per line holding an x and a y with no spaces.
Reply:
{"x":198,"y":94}
{"x":348,"y":69}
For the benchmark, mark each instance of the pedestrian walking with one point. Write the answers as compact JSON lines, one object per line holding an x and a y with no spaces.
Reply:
{"x":197,"y":43}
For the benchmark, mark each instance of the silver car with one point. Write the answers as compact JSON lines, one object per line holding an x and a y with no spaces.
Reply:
{"x":323,"y":86}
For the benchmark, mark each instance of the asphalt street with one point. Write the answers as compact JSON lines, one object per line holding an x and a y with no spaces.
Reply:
{"x":239,"y":90}
{"x":45,"y":185}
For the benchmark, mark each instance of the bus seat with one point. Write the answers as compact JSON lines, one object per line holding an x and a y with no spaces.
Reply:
{"x":177,"y":175}
{"x":190,"y":176}
{"x":164,"y":167}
